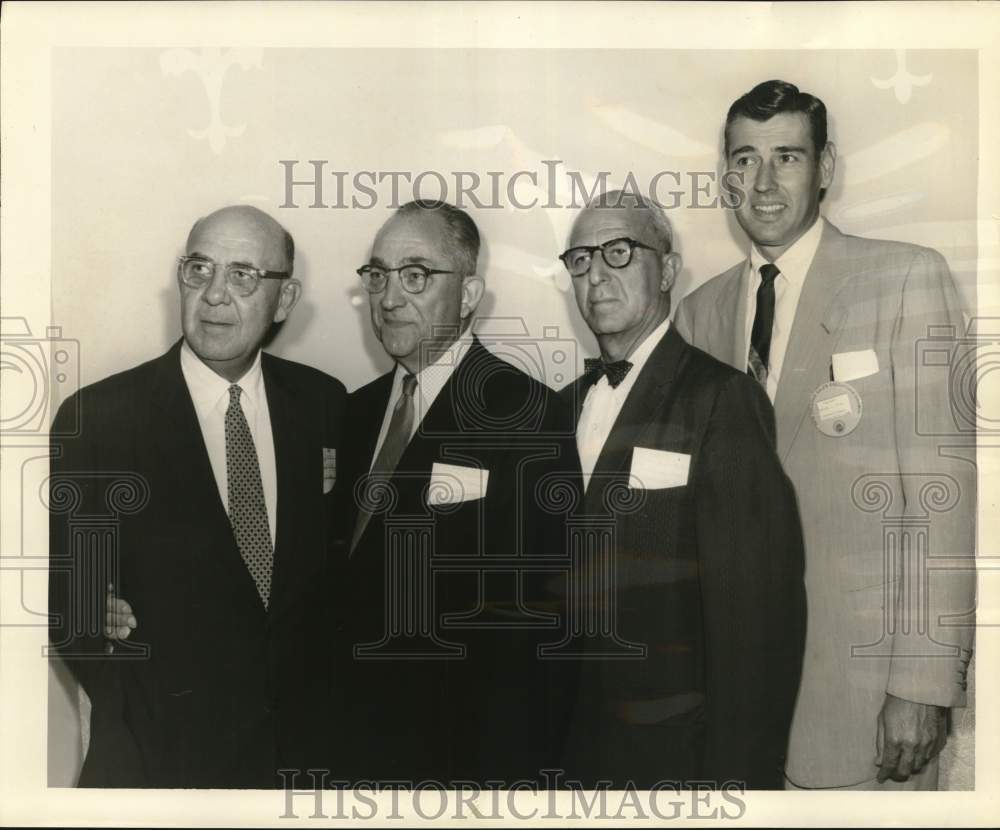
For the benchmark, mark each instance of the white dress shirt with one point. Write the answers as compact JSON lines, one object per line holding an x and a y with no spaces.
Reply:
{"x":210,"y":393}
{"x":603,"y":403}
{"x":793,"y":265}
{"x":430,"y":381}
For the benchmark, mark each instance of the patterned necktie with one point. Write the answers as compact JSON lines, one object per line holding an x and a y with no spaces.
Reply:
{"x":594,"y":367}
{"x":763,"y":324}
{"x":247,"y":509}
{"x":397,"y":436}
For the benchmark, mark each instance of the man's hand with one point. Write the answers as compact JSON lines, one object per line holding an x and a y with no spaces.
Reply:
{"x":119,"y":620}
{"x":909,"y":735}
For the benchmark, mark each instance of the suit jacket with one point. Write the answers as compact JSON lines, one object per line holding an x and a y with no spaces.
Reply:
{"x":708,"y":579}
{"x":210,"y":690}
{"x":874,"y":502}
{"x":458,"y":691}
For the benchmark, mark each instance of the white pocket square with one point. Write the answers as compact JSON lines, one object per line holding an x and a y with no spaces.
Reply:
{"x":848,"y":366}
{"x":658,"y":469}
{"x":329,"y":468}
{"x":451,"y":483}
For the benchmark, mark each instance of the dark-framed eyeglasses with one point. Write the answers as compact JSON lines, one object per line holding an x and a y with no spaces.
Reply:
{"x":413,"y":277}
{"x":241,"y":279}
{"x":617,"y":254}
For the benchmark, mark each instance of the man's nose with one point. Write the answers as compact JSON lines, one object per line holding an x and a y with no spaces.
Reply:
{"x":598,"y":272}
{"x":217,"y":291}
{"x":393,"y":295}
{"x":764,"y":180}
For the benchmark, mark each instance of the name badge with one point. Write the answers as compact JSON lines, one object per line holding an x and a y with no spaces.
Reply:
{"x":836,"y":409}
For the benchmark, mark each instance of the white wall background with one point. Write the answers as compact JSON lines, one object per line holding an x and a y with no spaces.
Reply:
{"x":145,"y":141}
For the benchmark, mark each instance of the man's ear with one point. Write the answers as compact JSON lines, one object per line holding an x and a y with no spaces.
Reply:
{"x":671,"y":267}
{"x":473,"y":288}
{"x":827,"y":164}
{"x":291,"y":290}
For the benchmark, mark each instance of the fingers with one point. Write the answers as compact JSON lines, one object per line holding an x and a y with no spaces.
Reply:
{"x":890,"y":757}
{"x":904,"y":765}
{"x":119,"y":621}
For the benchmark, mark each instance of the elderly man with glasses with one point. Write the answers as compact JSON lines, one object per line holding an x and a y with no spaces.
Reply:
{"x":218,"y":459}
{"x":708,"y":556}
{"x":449,"y":529}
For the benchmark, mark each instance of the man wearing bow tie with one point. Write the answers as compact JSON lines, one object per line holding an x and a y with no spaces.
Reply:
{"x":451,"y":454}
{"x":831,"y":326}
{"x":215,"y":457}
{"x":707,"y":546}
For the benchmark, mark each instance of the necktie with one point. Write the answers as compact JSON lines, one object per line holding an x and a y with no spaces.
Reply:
{"x":397,"y":436}
{"x":247,"y":509}
{"x":594,"y":367}
{"x":763,"y":324}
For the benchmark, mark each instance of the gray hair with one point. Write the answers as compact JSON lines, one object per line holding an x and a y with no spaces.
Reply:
{"x":463,"y":235}
{"x":617,"y":199}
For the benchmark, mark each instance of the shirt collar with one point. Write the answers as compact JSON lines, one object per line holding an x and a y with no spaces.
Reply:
{"x":208,"y":389}
{"x":432,"y":378}
{"x":793,"y":263}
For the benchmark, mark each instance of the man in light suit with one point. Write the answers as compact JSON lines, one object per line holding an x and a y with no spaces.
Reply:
{"x":444,"y":482}
{"x":707,"y":554}
{"x":830,"y":325}
{"x":213,"y":463}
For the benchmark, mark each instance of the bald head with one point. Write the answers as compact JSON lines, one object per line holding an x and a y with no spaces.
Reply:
{"x":245,"y":225}
{"x":223,"y":325}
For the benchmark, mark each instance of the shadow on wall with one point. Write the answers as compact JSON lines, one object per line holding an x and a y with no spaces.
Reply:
{"x":64,"y":736}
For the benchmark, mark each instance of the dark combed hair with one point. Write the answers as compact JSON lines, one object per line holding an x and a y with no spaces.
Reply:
{"x":773,"y":97}
{"x":462,"y":231}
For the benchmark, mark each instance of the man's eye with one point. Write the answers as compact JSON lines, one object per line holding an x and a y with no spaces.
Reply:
{"x":788,"y":158}
{"x":745,"y":161}
{"x":579,"y":257}
{"x":200,"y":269}
{"x":241,"y":274}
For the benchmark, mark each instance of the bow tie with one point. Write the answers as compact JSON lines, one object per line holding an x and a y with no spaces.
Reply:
{"x":594,"y":367}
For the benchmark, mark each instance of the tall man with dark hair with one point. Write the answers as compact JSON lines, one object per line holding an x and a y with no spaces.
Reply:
{"x":218,"y":459}
{"x":444,"y":483}
{"x":707,"y":556}
{"x":829,"y":324}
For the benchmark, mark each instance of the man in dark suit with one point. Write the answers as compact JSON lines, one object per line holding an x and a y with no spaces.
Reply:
{"x":831,"y":325}
{"x":707,"y":550}
{"x":451,"y":458}
{"x":213,"y":462}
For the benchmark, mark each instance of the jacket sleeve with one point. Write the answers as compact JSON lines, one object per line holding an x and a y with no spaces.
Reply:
{"x":751,"y":569}
{"x":76,"y":589}
{"x":933,"y":611}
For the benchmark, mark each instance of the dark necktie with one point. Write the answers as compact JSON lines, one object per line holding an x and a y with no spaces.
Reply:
{"x":397,"y":436}
{"x":763,"y":324}
{"x":594,"y":367}
{"x":247,"y":509}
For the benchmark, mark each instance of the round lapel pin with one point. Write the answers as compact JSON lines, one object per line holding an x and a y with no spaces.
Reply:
{"x":836,"y":409}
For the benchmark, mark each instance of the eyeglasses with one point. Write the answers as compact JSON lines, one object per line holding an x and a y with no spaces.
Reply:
{"x":617,"y":254}
{"x":242,"y":280}
{"x":413,"y":278}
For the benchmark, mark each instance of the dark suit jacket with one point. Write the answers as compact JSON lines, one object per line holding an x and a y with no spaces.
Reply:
{"x":210,"y":690}
{"x":708,"y":577}
{"x":497,"y":710}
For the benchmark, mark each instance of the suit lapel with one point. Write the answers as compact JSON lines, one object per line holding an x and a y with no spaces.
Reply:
{"x":291,"y":456}
{"x":727,"y":334}
{"x":647,"y":396}
{"x":818,"y":319}
{"x":192,"y":488}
